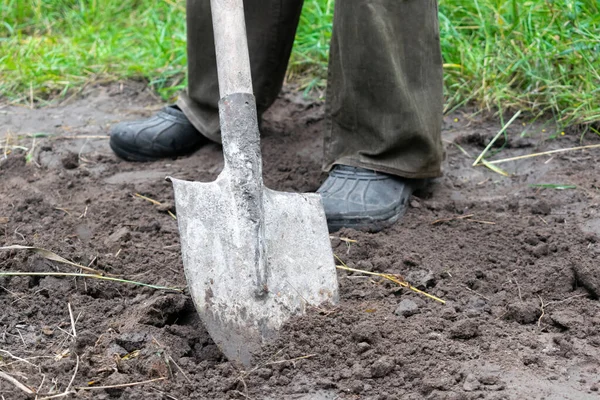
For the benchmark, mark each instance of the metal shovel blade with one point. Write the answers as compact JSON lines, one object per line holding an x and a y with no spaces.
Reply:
{"x":253,"y":257}
{"x":221,"y":271}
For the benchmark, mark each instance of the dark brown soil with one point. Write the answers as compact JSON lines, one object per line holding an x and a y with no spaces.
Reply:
{"x":520,"y":277}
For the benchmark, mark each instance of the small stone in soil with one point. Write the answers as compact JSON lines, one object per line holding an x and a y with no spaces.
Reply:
{"x":131,"y":341}
{"x":363,"y":346}
{"x":113,"y":349}
{"x":46,"y":330}
{"x":422,"y":279}
{"x":406,"y":308}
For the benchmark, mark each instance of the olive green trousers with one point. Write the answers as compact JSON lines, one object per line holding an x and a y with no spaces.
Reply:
{"x":384,"y":98}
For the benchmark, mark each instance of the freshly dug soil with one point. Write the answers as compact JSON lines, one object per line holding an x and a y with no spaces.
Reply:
{"x":516,"y":264}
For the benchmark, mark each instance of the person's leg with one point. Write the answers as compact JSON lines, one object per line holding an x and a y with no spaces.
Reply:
{"x":384,"y":109}
{"x":181,"y":129}
{"x":271,"y":27}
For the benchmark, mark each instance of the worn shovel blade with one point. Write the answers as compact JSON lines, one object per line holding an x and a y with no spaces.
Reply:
{"x":222,"y":274}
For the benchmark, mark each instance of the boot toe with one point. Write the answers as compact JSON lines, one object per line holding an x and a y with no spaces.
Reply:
{"x":363,"y":199}
{"x":166,"y":135}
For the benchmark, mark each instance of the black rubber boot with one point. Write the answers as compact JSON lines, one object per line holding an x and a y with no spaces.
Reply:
{"x":168,"y":134}
{"x":364,"y":199}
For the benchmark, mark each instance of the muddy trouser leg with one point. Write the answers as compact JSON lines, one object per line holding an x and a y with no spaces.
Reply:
{"x":384,"y":96}
{"x":271,"y":27}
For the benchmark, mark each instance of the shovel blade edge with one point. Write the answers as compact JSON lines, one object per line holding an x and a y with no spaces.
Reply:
{"x":217,"y":251}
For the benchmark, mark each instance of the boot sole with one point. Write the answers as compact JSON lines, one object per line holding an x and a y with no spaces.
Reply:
{"x":374,"y":223}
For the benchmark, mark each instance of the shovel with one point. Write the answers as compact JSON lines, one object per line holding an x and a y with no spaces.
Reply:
{"x":253,"y":257}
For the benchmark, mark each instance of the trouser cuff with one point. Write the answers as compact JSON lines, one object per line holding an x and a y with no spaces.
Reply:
{"x":404,"y":173}
{"x":206,"y":121}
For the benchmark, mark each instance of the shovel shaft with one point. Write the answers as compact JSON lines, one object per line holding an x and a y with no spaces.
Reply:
{"x":233,"y":60}
{"x":240,"y":134}
{"x":243,"y":169}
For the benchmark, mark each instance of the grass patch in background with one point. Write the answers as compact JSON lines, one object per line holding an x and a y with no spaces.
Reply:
{"x":541,"y":57}
{"x":48,"y":47}
{"x":536,"y":56}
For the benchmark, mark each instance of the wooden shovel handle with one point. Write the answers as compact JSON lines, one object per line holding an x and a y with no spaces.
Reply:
{"x":231,"y":44}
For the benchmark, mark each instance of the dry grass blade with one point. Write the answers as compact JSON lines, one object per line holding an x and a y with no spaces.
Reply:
{"x":494,"y":168}
{"x":17,"y":358}
{"x":504,"y":128}
{"x":17,"y":384}
{"x":72,"y":321}
{"x":462,"y":217}
{"x":92,"y":276}
{"x":68,"y":390}
{"x":343,"y":239}
{"x":394,"y":278}
{"x":459,"y":147}
{"x":123,"y":385}
{"x":544,"y":153}
{"x":155,"y":202}
{"x":482,"y":222}
{"x":291,"y":360}
{"x":74,"y":375}
{"x":180,"y":370}
{"x":47,"y":254}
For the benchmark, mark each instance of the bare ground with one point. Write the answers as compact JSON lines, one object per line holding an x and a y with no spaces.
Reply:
{"x":520,"y":275}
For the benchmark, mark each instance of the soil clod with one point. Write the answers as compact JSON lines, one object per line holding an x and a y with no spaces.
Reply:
{"x":382,"y":367}
{"x":524,"y":312}
{"x":587,"y":275}
{"x":471,"y":383}
{"x":70,"y":161}
{"x":465,"y":329}
{"x":406,"y":308}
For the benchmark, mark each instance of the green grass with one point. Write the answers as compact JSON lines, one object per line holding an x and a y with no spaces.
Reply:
{"x":541,"y":57}
{"x":536,"y":56}
{"x":48,"y":47}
